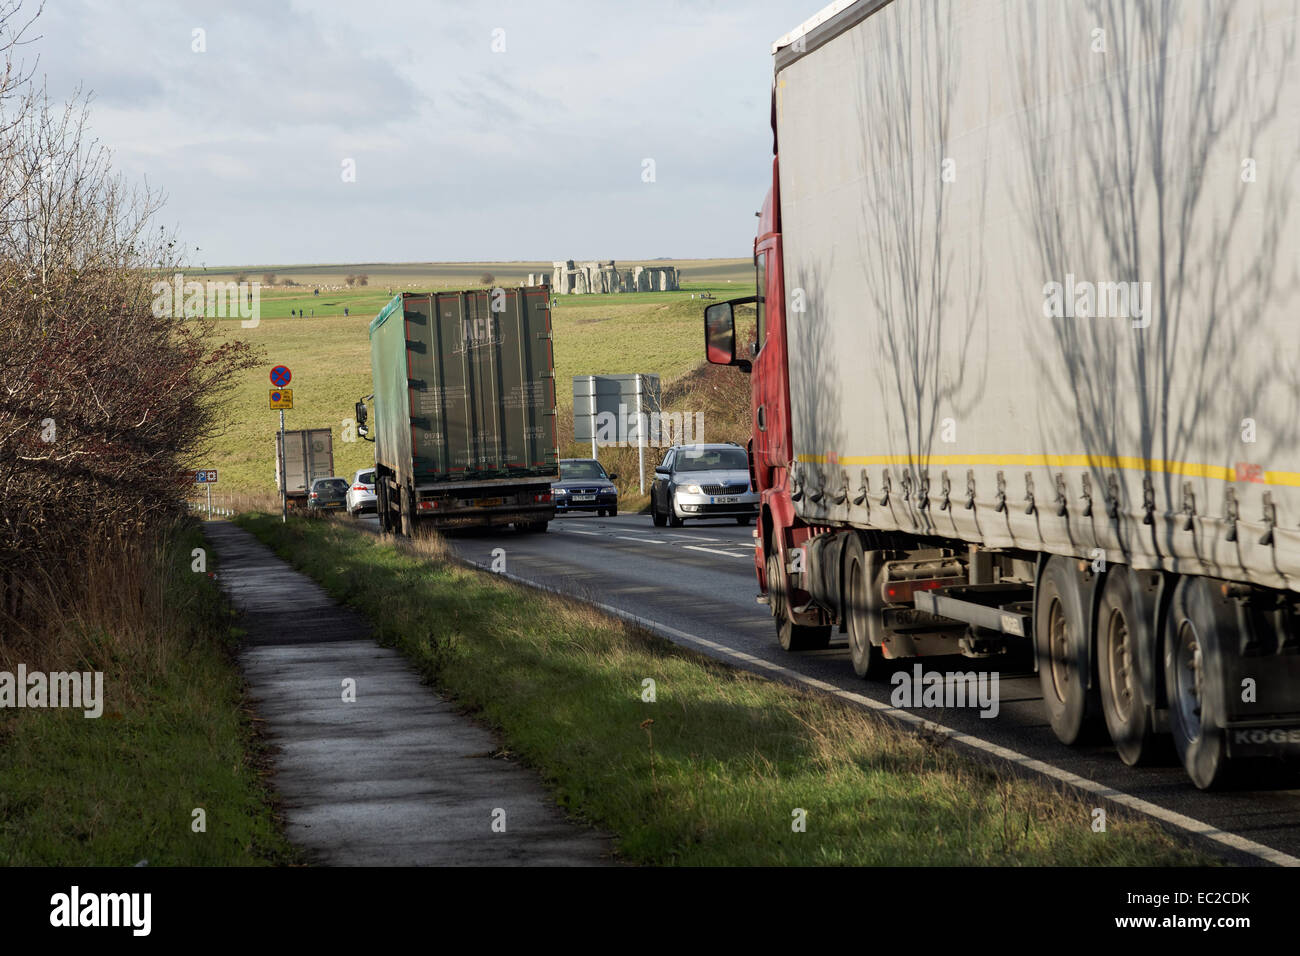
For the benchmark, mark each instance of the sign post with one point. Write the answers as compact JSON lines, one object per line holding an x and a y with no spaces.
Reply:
{"x":284,"y":492}
{"x":640,"y":438}
{"x":207,"y":477}
{"x":282,"y":398}
{"x":605,"y":399}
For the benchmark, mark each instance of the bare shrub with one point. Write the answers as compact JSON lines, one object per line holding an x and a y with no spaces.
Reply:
{"x":105,"y":401}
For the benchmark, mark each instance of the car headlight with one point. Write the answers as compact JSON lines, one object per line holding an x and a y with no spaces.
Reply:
{"x":694,"y":490}
{"x":560,"y":491}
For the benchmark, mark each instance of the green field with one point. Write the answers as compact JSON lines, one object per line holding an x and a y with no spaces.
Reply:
{"x":329,"y":354}
{"x":466,"y":275}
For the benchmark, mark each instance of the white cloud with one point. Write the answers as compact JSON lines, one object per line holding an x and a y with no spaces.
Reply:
{"x":461,"y":153}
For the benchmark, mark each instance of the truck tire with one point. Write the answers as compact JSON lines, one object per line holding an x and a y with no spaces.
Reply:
{"x":408,"y":513}
{"x":791,"y":636}
{"x":862,"y":613}
{"x":1061,"y":647}
{"x":381,"y":506}
{"x":1200,"y":621}
{"x":1124,"y":626}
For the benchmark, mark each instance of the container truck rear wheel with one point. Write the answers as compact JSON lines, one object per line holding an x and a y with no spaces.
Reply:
{"x":792,"y":636}
{"x":408,"y":512}
{"x":1061,"y":647}
{"x":1124,"y":626}
{"x":861,"y":613}
{"x":1200,"y":623}
{"x":381,"y":506}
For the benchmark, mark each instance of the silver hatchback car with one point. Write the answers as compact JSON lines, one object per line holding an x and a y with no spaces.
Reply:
{"x":703,"y":481}
{"x":361,"y":493}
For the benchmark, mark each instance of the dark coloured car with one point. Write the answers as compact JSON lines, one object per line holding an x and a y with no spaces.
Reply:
{"x":584,"y":486}
{"x":328,"y":494}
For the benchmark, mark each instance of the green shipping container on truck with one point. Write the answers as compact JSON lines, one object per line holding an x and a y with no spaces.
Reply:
{"x":464,"y":385}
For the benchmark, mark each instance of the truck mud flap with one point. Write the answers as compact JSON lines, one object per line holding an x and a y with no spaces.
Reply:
{"x":1269,"y":741}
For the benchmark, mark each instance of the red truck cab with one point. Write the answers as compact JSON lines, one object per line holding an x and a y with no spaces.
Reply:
{"x":779,"y":532}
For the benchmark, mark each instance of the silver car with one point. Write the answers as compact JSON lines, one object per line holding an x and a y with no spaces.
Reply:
{"x":361,"y":492}
{"x":703,"y":481}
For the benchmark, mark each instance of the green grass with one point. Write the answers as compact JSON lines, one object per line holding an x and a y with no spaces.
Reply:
{"x":174,"y":736}
{"x":455,"y":275}
{"x":652,"y":332}
{"x":734,"y":756}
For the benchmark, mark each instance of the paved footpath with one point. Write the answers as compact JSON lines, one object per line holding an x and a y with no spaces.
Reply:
{"x":396,"y":778}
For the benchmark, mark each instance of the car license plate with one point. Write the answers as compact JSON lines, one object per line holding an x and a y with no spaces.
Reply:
{"x":724,"y":501}
{"x":489,"y":502}
{"x":584,"y":497}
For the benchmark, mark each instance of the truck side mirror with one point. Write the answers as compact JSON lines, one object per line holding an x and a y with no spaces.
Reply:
{"x":361,"y":414}
{"x":720,"y":336}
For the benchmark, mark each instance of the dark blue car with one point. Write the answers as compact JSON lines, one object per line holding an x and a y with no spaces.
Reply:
{"x":584,"y":486}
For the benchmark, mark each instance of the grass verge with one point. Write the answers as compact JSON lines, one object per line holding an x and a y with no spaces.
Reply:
{"x":174,"y":737}
{"x":722,"y":766}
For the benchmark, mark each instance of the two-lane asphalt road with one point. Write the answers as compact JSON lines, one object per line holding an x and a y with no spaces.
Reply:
{"x":696,"y":585}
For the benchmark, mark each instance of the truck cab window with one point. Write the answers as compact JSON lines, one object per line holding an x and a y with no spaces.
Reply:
{"x":760,"y":281}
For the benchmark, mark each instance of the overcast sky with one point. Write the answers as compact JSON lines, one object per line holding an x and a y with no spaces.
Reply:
{"x":461,"y":153}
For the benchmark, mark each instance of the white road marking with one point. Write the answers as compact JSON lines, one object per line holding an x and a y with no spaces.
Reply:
{"x":729,"y":554}
{"x":642,"y":540}
{"x":1173,"y":818}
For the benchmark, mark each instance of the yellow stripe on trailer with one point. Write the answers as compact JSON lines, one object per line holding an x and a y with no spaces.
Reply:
{"x":1102,"y":462}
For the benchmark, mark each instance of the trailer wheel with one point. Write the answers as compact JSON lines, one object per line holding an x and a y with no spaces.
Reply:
{"x":1199,"y":623}
{"x":861,"y":613}
{"x":792,"y":636}
{"x":381,"y":506}
{"x":1122,"y":624}
{"x":1061,"y":646}
{"x":408,"y":512}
